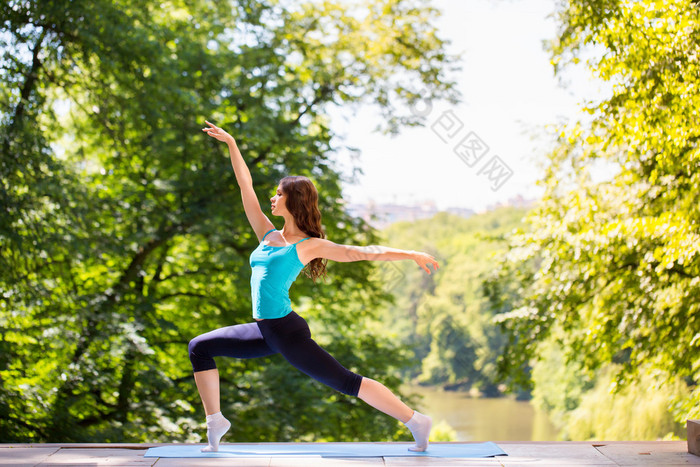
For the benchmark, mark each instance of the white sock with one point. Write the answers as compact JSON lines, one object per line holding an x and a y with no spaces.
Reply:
{"x":420,"y":426}
{"x":217,"y":426}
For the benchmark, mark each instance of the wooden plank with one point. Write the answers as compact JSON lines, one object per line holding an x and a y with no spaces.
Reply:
{"x":442,"y":461}
{"x":668,"y":453}
{"x":326,"y":461}
{"x":21,"y":456}
{"x":98,"y":456}
{"x":206,"y":462}
{"x":553,"y":454}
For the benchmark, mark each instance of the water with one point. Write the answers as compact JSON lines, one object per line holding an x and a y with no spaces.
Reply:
{"x":485,"y":419}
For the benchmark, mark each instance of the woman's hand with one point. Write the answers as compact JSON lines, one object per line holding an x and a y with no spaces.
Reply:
{"x":218,"y":133}
{"x":423,"y":259}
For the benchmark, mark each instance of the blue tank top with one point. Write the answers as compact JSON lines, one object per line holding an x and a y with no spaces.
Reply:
{"x":274,"y":270}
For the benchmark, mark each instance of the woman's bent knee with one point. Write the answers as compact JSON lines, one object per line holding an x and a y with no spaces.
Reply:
{"x":199,"y":355}
{"x":352,"y":387}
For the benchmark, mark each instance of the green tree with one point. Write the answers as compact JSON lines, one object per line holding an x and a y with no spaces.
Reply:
{"x":608,"y":267}
{"x":121,"y":226}
{"x":445,"y":318}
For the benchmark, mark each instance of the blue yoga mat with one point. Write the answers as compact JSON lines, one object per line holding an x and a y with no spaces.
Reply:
{"x":487,"y":449}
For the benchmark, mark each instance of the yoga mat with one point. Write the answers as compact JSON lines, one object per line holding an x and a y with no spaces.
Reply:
{"x":487,"y":449}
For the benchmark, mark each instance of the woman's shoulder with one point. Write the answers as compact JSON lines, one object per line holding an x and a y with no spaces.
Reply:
{"x":314,"y":241}
{"x":308,"y":249}
{"x":307,"y":242}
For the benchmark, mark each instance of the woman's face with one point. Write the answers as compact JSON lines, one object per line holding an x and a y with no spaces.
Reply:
{"x":278,"y":205}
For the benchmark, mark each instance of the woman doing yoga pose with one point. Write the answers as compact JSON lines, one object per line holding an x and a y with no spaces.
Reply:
{"x":276,"y":262}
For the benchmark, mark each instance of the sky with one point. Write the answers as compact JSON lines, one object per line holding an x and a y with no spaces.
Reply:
{"x":509,"y":96}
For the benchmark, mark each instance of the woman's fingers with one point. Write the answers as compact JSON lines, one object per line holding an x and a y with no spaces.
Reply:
{"x":212,"y":127}
{"x":429,"y":260}
{"x":434,"y":264}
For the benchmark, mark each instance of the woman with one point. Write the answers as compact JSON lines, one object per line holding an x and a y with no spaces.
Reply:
{"x":276,"y":262}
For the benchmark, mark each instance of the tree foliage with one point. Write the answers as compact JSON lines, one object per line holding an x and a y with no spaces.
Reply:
{"x":608,"y":268}
{"x":121,"y":227}
{"x":445,"y":318}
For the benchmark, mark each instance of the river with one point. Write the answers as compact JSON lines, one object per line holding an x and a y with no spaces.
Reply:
{"x":485,"y":419}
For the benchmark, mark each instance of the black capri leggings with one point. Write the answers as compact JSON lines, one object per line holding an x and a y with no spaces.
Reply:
{"x":289,"y":335}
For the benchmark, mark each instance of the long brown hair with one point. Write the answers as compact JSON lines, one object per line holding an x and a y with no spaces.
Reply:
{"x":302,"y":204}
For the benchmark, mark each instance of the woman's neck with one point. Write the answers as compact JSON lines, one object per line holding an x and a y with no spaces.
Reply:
{"x":290,"y":228}
{"x":291,"y":231}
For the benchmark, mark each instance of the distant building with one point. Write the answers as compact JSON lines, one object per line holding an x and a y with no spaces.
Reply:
{"x":462,"y":212}
{"x":380,"y":215}
{"x":517,"y":201}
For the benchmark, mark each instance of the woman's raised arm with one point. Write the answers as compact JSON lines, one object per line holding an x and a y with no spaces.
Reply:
{"x":258,"y":220}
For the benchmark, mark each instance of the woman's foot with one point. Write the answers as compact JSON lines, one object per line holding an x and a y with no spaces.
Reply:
{"x":419,"y":425}
{"x":217,"y":426}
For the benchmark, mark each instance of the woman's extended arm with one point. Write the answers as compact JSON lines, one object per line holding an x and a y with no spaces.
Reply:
{"x":323,"y":248}
{"x":251,"y":205}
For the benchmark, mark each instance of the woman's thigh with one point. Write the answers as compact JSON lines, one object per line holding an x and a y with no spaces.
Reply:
{"x":239,"y":341}
{"x":292,"y":338}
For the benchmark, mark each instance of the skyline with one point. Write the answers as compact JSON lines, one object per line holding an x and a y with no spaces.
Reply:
{"x":509,"y":96}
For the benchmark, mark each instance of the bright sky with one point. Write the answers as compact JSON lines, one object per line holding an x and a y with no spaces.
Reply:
{"x":509,"y":94}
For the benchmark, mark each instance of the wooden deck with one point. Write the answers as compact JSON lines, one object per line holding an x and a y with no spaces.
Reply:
{"x":617,"y":453}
